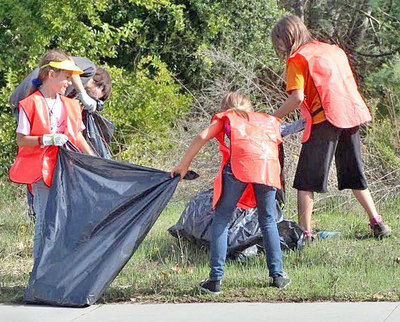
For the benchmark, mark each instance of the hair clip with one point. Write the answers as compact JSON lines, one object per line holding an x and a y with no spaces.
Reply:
{"x":36,"y":82}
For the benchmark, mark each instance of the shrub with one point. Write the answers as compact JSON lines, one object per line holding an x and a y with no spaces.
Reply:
{"x":384,"y":137}
{"x":145,"y":106}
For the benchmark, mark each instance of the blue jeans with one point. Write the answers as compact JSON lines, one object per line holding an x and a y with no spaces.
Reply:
{"x":231,"y":193}
{"x":41,"y":194}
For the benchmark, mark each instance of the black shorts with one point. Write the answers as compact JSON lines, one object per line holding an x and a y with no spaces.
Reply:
{"x":316,"y":157}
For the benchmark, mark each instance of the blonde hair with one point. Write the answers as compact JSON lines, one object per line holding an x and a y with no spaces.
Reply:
{"x":52,"y":55}
{"x":288,"y":34}
{"x":235,"y":101}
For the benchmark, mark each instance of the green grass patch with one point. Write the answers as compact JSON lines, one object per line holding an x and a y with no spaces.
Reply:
{"x":355,"y":267}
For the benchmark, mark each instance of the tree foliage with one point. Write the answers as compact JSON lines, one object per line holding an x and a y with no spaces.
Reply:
{"x":145,"y":106}
{"x":369,"y":30}
{"x":180,"y":32}
{"x":162,"y":53}
{"x":146,"y":46}
{"x":29,"y":28}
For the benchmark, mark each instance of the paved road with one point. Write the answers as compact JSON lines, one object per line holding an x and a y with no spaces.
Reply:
{"x":219,"y":312}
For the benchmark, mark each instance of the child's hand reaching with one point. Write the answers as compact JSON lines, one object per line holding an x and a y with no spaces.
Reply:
{"x":195,"y":146}
{"x":179,"y":170}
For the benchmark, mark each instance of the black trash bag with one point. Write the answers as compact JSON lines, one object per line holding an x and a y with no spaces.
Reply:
{"x":98,"y":133}
{"x":243,"y":231}
{"x":291,"y":235}
{"x":98,"y":213}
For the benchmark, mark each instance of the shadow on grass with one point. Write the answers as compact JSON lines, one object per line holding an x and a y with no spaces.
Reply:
{"x":178,"y":251}
{"x":12,"y":295}
{"x":146,"y":294}
{"x":364,"y":236}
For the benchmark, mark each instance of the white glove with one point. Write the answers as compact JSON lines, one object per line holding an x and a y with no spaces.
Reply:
{"x":88,"y":103}
{"x":57,"y":139}
{"x":292,"y":128}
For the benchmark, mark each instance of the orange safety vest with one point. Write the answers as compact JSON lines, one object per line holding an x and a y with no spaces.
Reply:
{"x":333,"y":78}
{"x":35,"y":162}
{"x":253,"y":153}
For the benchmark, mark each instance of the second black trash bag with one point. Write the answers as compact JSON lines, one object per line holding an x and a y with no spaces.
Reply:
{"x":243,"y":231}
{"x":98,"y":133}
{"x":98,"y":213}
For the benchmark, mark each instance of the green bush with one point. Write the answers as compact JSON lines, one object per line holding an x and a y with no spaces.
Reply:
{"x":145,"y":106}
{"x":29,"y":28}
{"x":178,"y":32}
{"x":384,"y":86}
{"x":383,"y":144}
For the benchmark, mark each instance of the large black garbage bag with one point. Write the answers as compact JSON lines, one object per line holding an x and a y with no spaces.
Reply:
{"x":98,"y":133}
{"x":98,"y":213}
{"x":243,"y":232}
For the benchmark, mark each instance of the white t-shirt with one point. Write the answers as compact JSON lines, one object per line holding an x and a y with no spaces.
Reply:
{"x":57,"y":117}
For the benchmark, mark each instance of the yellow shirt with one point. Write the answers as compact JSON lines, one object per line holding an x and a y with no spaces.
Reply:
{"x":298,"y":78}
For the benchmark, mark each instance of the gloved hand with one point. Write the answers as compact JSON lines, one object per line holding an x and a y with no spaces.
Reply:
{"x":57,"y":139}
{"x":89,"y":103}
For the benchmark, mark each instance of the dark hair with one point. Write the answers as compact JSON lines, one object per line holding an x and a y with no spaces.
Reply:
{"x":103,"y":80}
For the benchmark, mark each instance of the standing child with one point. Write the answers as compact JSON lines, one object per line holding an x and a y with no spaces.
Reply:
{"x":249,"y":175}
{"x":46,"y":120}
{"x":92,"y":87}
{"x":320,"y":80}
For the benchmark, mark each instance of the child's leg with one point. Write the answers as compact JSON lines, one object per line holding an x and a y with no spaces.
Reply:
{"x":41,"y":194}
{"x":266,"y":218}
{"x":232,"y":190}
{"x":312,"y":172}
{"x":305,"y":204}
{"x":365,"y":199}
{"x":350,"y":169}
{"x":351,"y":175}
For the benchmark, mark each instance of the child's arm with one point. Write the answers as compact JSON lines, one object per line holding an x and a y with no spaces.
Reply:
{"x":292,"y":102}
{"x":57,"y":139}
{"x":88,"y":102}
{"x":202,"y":138}
{"x":27,"y":140}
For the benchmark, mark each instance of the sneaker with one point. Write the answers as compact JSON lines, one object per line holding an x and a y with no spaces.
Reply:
{"x":381,"y":229}
{"x":210,"y":287}
{"x":280,"y":282}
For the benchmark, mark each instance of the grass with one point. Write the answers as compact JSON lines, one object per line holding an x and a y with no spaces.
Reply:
{"x":355,"y":267}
